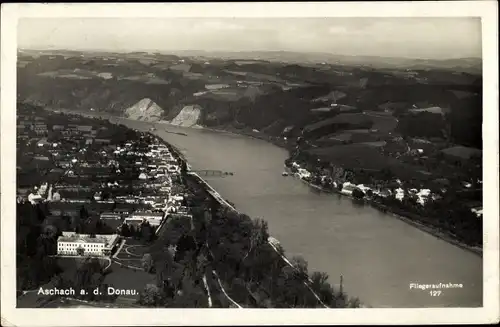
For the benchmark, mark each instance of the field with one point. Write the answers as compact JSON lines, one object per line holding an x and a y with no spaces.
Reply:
{"x":382,"y":123}
{"x":258,"y":76}
{"x":146,"y":79}
{"x":434,"y":110}
{"x":367,"y":157}
{"x":224,"y":94}
{"x":462,"y":152}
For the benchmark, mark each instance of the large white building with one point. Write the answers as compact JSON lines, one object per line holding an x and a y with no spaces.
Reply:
{"x":70,"y":243}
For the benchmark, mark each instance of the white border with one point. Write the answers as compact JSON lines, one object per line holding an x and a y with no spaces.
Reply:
{"x":487,"y":10}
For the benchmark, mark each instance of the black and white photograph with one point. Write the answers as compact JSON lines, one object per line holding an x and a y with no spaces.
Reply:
{"x":258,"y":157}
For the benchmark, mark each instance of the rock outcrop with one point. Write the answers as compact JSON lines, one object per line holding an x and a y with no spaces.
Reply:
{"x":188,"y":117}
{"x":145,"y":110}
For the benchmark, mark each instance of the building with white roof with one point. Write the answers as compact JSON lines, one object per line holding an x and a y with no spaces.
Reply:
{"x":348,"y":188}
{"x":400,"y":194}
{"x":154,"y":218}
{"x":34,"y":198}
{"x":423,"y":195}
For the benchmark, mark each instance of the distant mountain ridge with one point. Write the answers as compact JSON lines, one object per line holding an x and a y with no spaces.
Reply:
{"x":268,"y":97}
{"x":468,"y":65}
{"x":473,"y":65}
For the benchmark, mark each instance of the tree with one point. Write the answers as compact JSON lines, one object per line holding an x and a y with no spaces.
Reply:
{"x":83,"y":213}
{"x":354,"y":303}
{"x":183,"y":169}
{"x":190,"y":295}
{"x":80,"y":251}
{"x":300,"y":265}
{"x":151,"y":296}
{"x":147,"y":231}
{"x":125,"y":230}
{"x":88,"y":276}
{"x":147,"y":262}
{"x":358,"y":194}
{"x":201,"y":263}
{"x":258,"y":235}
{"x":132,"y":231}
{"x":185,"y":244}
{"x":321,"y":286}
{"x":386,"y":173}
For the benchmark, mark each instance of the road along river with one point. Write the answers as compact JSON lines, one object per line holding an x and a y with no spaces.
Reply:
{"x":378,"y":255}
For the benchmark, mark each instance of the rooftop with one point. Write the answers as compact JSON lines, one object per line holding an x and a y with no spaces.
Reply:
{"x":149,"y":214}
{"x":85,"y":238}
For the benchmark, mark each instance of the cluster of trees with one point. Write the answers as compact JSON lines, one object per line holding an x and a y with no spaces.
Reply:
{"x":422,"y":124}
{"x":35,"y":243}
{"x":220,"y":243}
{"x":290,"y":107}
{"x":144,"y":231}
{"x":449,"y":214}
{"x":85,"y":279}
{"x":178,"y":265}
{"x":253,"y":273}
{"x":113,"y":94}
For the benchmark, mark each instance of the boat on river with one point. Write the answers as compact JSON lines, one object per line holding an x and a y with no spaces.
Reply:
{"x":284,"y":173}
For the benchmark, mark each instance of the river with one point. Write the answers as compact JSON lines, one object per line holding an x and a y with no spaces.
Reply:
{"x":377,"y":254}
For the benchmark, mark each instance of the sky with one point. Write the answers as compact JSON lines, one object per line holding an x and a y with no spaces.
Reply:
{"x":428,"y":38}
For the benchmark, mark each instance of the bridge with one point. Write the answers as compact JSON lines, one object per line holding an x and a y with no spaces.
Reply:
{"x":218,"y":173}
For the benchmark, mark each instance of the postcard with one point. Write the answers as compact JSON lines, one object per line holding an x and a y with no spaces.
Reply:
{"x":249,"y":163}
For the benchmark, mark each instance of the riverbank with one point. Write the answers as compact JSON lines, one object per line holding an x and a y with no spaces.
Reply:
{"x":305,"y":288}
{"x":225,"y":204}
{"x":255,"y":135}
{"x":320,"y":227}
{"x":413,"y":222}
{"x":405,"y":217}
{"x":308,"y":282}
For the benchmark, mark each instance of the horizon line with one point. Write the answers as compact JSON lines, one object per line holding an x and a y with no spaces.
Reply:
{"x":241,"y":51}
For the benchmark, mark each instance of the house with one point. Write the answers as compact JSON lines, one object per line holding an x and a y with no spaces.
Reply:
{"x":110,"y":215}
{"x":34,"y":198}
{"x":122,"y":211}
{"x":58,"y":127}
{"x":133,"y":221}
{"x":102,"y":141}
{"x":40,"y":128}
{"x":88,"y":141}
{"x":84,"y":128}
{"x":56,"y":197}
{"x":43,"y":142}
{"x":478,"y":211}
{"x":348,"y":188}
{"x":41,"y":158}
{"x":70,"y":243}
{"x":154,"y":218}
{"x":64,"y":164}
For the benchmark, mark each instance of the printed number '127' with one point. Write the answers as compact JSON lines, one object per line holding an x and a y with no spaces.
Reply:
{"x":435,"y":293}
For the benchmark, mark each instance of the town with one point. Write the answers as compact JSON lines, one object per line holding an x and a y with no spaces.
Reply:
{"x":102,"y":207}
{"x":99,"y":184}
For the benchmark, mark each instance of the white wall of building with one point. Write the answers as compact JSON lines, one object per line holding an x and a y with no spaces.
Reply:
{"x":70,"y":248}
